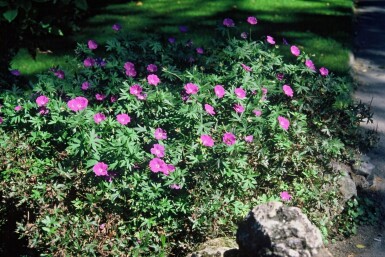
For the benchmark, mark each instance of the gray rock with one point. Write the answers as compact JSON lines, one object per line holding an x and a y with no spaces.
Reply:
{"x":276,"y":230}
{"x":218,"y":247}
{"x":348,"y":188}
{"x":364,"y":168}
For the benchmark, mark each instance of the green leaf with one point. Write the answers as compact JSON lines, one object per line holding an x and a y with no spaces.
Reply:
{"x":81,"y":4}
{"x":3,"y":3}
{"x":10,"y":15}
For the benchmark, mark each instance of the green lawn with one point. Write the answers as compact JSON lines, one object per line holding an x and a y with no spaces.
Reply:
{"x":319,"y":27}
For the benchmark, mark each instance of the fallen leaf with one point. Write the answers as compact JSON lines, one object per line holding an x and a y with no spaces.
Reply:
{"x":360,"y":246}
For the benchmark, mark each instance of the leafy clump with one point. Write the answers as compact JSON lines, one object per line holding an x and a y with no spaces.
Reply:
{"x":151,"y":146}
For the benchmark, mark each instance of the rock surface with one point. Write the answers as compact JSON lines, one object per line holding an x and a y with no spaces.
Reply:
{"x":276,"y":230}
{"x":218,"y":247}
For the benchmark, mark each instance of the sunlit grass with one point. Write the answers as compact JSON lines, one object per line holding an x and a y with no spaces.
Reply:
{"x":320,"y":28}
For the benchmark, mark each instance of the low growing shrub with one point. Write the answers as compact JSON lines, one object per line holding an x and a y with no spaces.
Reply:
{"x":146,"y":147}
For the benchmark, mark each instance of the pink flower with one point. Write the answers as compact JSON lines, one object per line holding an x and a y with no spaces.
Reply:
{"x":310,"y":64}
{"x":43,"y":110}
{"x":249,"y":138}
{"x":18,"y":108}
{"x":160,"y":134}
{"x":229,"y":138}
{"x":89,"y":62}
{"x":228,"y":22}
{"x":92,"y":45}
{"x":100,"y":169}
{"x":175,"y":186}
{"x":152,"y":79}
{"x":157,"y":165}
{"x":209,"y":109}
{"x":15,"y":72}
{"x":244,"y":35}
{"x":170,"y":168}
{"x":100,"y":97}
{"x":264,"y":94}
{"x":123,"y":118}
{"x":77,"y":104}
{"x":239,"y":108}
{"x":283,"y":122}
{"x":199,"y":50}
{"x":280,"y":76}
{"x":142,"y":96}
{"x":130,"y":69}
{"x":42,"y":100}
{"x":295,"y":50}
{"x":219,"y":91}
{"x":207,"y":140}
{"x":270,"y":40}
{"x":99,"y":117}
{"x":246,"y":68}
{"x":85,"y":85}
{"x":252,"y":20}
{"x":285,"y":196}
{"x":60,"y":74}
{"x":116,"y":27}
{"x":158,"y":150}
{"x":113,"y":99}
{"x":257,"y":113}
{"x":191,"y":88}
{"x":1,"y":120}
{"x":324,"y":71}
{"x":240,"y":93}
{"x":152,"y":68}
{"x":135,"y":89}
{"x":287,"y":90}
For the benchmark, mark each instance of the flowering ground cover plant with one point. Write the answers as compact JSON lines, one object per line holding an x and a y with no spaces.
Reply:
{"x":148,"y":147}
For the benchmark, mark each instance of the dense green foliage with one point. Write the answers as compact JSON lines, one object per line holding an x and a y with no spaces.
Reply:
{"x":273,"y":127}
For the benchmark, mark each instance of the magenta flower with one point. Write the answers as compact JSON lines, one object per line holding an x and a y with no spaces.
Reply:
{"x":60,"y":74}
{"x":207,"y":140}
{"x":160,"y":134}
{"x":175,"y":186}
{"x":324,"y":72}
{"x":123,"y":118}
{"x":257,"y":113}
{"x":152,"y":68}
{"x":99,"y":117}
{"x":135,"y":89}
{"x":228,"y":22}
{"x":42,"y":100}
{"x":191,"y":88}
{"x":85,"y":85}
{"x":239,"y":108}
{"x":157,"y":165}
{"x":310,"y":64}
{"x":142,"y":96}
{"x":246,"y":68}
{"x":152,"y":79}
{"x":252,"y":20}
{"x":130,"y":69}
{"x":244,"y":35}
{"x":170,"y":168}
{"x":89,"y":62}
{"x":1,"y":120}
{"x":287,"y":90}
{"x":264,"y":94}
{"x":116,"y":27}
{"x":100,"y":169}
{"x":249,"y":138}
{"x":295,"y":50}
{"x":43,"y":110}
{"x":92,"y":45}
{"x":18,"y":108}
{"x":283,"y":122}
{"x":280,"y":76}
{"x":77,"y":104}
{"x":158,"y":150}
{"x":171,"y":40}
{"x":219,"y":91}
{"x":15,"y":72}
{"x":199,"y":50}
{"x":209,"y":109}
{"x":285,"y":196}
{"x":100,"y":97}
{"x":229,"y":138}
{"x":240,"y":93}
{"x":113,"y":99}
{"x":270,"y":40}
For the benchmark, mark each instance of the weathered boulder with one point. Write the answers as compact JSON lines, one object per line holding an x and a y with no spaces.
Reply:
{"x":363,"y":166}
{"x":276,"y":230}
{"x":218,"y":247}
